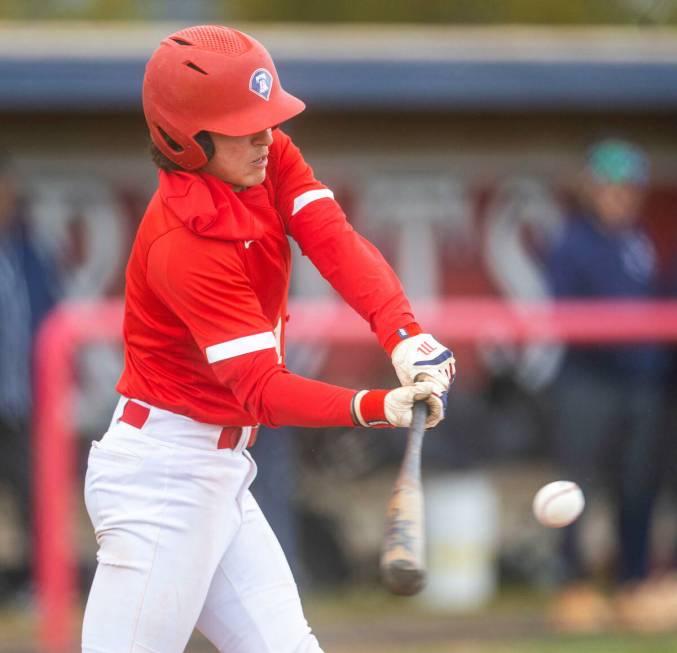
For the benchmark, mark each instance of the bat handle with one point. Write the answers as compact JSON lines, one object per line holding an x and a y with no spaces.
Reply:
{"x":412,"y":457}
{"x":420,"y":413}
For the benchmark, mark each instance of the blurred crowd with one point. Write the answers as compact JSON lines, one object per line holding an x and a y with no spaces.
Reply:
{"x":600,"y":415}
{"x":29,"y":289}
{"x":609,"y":403}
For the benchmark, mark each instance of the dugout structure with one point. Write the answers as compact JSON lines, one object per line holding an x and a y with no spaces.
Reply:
{"x":73,"y":326}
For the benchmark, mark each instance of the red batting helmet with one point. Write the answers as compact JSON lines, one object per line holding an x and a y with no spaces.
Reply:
{"x":211,"y":78}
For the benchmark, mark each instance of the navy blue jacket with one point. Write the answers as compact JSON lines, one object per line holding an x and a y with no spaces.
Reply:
{"x":592,"y":262}
{"x":27,"y":293}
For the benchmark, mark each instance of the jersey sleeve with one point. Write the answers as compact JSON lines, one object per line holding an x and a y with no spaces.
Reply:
{"x":350,"y":263}
{"x":205,"y":283}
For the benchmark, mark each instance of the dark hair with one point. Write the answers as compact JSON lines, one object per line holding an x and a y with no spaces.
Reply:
{"x":161,"y":161}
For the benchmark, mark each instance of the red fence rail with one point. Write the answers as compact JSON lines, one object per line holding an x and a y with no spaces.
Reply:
{"x":74,"y":325}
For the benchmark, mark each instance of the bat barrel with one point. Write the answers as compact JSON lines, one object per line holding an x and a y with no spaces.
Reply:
{"x":403,"y":556}
{"x":402,"y":578}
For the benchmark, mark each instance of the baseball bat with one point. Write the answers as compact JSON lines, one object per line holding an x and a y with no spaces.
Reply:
{"x":403,"y":555}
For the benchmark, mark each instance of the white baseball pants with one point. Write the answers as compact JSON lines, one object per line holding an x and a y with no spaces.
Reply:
{"x":183,"y":544}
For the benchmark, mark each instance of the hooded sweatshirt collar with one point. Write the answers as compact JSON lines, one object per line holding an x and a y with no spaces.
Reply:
{"x":208,"y":206}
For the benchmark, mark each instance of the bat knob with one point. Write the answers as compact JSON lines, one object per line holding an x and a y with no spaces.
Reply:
{"x":402,"y":578}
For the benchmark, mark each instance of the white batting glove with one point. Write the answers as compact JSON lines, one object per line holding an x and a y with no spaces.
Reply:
{"x":421,"y":357}
{"x":383,"y":408}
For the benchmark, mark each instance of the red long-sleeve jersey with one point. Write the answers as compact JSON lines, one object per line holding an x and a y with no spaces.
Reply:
{"x":206,"y":293}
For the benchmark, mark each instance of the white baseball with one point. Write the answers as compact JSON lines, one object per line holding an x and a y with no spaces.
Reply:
{"x":558,"y":503}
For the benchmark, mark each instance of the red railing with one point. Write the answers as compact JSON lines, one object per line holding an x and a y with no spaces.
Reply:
{"x":74,"y":325}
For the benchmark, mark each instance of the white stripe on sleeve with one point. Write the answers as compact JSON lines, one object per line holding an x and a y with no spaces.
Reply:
{"x":245,"y":345}
{"x":310,"y":196}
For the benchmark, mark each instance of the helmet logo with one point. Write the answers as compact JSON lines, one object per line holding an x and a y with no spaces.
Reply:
{"x":261,"y":83}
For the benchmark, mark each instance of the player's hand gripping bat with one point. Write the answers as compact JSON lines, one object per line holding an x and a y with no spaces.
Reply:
{"x":403,"y":555}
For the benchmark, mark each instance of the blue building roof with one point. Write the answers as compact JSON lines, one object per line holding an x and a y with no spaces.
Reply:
{"x":396,"y":70}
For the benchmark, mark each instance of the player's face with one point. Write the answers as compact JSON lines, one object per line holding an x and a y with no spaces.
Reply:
{"x":617,"y":205}
{"x":240,"y":160}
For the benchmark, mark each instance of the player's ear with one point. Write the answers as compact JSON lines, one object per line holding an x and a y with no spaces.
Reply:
{"x":206,"y":142}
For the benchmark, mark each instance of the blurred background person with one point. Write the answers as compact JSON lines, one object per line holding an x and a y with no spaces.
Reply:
{"x":27,"y":293}
{"x":608,"y":400}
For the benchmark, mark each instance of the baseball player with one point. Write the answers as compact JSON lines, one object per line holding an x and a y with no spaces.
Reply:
{"x":181,"y":540}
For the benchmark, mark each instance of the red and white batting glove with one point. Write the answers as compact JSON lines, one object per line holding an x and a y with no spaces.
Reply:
{"x":384,"y":408}
{"x":421,"y":357}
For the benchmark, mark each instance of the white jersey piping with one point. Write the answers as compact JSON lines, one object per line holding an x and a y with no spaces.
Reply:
{"x":239,"y":346}
{"x":310,"y":196}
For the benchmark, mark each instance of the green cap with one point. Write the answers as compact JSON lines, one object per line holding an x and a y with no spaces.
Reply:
{"x":618,"y":162}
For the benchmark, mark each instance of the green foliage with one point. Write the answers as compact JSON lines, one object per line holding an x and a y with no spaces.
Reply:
{"x":545,"y":12}
{"x":553,"y":12}
{"x":69,"y":9}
